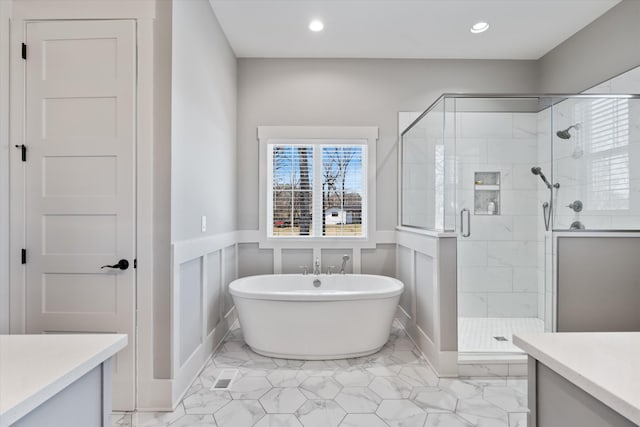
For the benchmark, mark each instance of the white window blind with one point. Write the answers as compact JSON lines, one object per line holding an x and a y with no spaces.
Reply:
{"x":317,"y":190}
{"x":607,"y":136}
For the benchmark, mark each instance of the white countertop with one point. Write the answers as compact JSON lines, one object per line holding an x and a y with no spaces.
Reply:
{"x":33,"y":368}
{"x":604,"y":364}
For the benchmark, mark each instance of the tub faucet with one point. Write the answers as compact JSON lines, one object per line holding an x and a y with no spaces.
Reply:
{"x":316,"y":267}
{"x":345,"y":258}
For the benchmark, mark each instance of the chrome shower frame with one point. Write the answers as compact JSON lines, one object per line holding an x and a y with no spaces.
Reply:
{"x":545,"y":101}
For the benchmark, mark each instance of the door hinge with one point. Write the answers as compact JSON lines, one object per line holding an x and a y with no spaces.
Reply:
{"x":23,"y":151}
{"x":135,"y":263}
{"x":24,"y":51}
{"x":23,"y":256}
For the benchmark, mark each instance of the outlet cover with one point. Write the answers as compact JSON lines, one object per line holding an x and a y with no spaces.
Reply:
{"x":203,"y":223}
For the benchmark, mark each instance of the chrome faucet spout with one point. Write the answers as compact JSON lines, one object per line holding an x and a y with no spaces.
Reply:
{"x":316,"y":267}
{"x":345,"y":258}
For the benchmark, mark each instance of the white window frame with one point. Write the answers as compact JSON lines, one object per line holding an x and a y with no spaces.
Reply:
{"x":318,"y":135}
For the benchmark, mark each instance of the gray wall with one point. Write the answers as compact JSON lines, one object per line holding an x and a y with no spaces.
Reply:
{"x":603,"y":49}
{"x":195,"y":154}
{"x":598,"y":284}
{"x":345,"y":92}
{"x":203,"y":123}
{"x":161,"y":182}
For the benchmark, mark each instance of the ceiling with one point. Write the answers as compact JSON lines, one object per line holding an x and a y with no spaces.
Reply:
{"x":519,"y":29}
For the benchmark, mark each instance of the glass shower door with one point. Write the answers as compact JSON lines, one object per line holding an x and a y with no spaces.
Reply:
{"x":500,"y":244}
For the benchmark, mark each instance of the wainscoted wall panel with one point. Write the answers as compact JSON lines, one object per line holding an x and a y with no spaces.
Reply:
{"x":190,"y":307}
{"x":229,"y":274}
{"x":425,"y":294}
{"x":405,"y":275}
{"x":381,"y":260}
{"x":292,"y":259}
{"x":258,"y":255}
{"x":253,"y":261}
{"x":426,"y":264}
{"x":214,"y":287}
{"x":202,"y":270}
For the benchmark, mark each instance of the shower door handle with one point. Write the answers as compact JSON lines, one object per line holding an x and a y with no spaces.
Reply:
{"x":468,"y":233}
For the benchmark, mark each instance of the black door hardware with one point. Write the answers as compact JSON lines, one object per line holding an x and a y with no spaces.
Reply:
{"x":123,"y":264}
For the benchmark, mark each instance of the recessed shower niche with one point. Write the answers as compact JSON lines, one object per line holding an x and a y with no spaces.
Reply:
{"x":486,"y":193}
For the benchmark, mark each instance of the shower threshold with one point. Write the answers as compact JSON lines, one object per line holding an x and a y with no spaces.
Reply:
{"x":492,"y":336}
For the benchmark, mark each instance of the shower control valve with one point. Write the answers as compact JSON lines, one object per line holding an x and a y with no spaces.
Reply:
{"x":576,"y":206}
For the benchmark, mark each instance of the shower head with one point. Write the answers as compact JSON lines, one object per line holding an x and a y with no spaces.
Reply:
{"x":536,"y":170}
{"x":564,"y":134}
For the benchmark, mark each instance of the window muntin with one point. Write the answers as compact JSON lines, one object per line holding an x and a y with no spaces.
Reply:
{"x":317,"y":190}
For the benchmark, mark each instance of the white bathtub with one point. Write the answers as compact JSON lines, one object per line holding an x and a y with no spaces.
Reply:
{"x":286,"y":316}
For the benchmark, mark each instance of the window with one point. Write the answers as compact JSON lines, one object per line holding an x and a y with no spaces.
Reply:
{"x":607,"y":132}
{"x":315,"y":182}
{"x":309,"y":201}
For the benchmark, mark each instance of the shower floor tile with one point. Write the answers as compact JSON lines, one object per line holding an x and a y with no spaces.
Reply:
{"x":494,"y":334}
{"x":395,"y":386}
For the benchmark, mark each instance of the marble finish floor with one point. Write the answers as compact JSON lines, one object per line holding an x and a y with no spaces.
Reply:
{"x":477,"y":334}
{"x":394,"y":387}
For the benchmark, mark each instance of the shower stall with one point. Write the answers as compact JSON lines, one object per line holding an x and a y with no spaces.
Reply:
{"x":503,"y":173}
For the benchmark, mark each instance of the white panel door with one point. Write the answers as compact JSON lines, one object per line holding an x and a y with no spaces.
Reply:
{"x":80,"y":193}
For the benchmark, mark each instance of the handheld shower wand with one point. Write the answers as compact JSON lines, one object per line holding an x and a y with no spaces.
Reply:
{"x":546,"y":206}
{"x":537,"y":170}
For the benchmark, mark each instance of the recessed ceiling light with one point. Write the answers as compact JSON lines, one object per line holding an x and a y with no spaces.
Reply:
{"x":479,"y":27}
{"x":316,"y":25}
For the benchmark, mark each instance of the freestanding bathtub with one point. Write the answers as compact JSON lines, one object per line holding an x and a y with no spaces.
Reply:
{"x":342,"y":316}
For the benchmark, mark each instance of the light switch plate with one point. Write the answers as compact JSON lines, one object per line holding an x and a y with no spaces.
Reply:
{"x":203,"y":223}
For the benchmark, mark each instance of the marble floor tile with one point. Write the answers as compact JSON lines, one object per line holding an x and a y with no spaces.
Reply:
{"x":320,"y":413}
{"x":231,"y":359}
{"x":401,"y":413}
{"x":358,"y":400}
{"x":279,"y":420}
{"x":282,"y":400}
{"x":195,"y":420}
{"x":384,"y":371}
{"x":518,"y":384}
{"x":120,"y":420}
{"x":390,"y":388}
{"x":506,"y":398}
{"x":250,"y":388}
{"x":446,"y":420}
{"x":518,"y":419}
{"x":319,"y":368}
{"x":478,"y":411}
{"x":239,"y":413}
{"x":362,"y":420}
{"x":156,"y":419}
{"x":433,"y":399}
{"x":462,"y":389}
{"x":320,"y":388}
{"x":206,"y":401}
{"x":419,"y":376}
{"x":394,"y":387}
{"x":354,"y":377}
{"x":286,"y":377}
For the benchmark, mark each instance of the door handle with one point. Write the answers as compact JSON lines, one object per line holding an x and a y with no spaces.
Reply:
{"x":123,"y":264}
{"x":468,"y":233}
